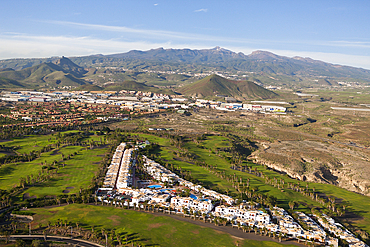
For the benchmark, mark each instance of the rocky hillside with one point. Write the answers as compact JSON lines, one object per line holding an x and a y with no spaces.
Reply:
{"x":317,"y":161}
{"x":62,"y":72}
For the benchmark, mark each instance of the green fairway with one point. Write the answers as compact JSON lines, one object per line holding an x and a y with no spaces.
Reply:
{"x":11,"y":173}
{"x":146,"y":228}
{"x":359,"y":204}
{"x":27,"y":144}
{"x":79,"y":167}
{"x":77,"y":173}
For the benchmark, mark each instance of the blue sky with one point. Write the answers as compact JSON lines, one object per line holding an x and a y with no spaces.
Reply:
{"x":331,"y":31}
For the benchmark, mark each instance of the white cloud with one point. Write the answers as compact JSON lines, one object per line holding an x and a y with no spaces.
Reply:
{"x":353,"y":44}
{"x":155,"y":34}
{"x":164,"y":36}
{"x":156,"y":4}
{"x":334,"y":58}
{"x":27,"y":46}
{"x":201,"y":10}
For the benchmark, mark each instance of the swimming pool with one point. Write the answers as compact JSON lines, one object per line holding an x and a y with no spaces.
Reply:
{"x":193,"y":196}
{"x":155,"y":186}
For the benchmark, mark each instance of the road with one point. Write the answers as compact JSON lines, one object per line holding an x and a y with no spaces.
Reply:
{"x":76,"y":242}
{"x":227,"y":229}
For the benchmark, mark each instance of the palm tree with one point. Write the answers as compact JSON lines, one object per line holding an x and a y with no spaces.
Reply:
{"x":244,"y":227}
{"x":119,"y":238}
{"x":6,"y":234}
{"x":44,"y":232}
{"x":292,"y":204}
{"x":204,"y":217}
{"x":194,"y":214}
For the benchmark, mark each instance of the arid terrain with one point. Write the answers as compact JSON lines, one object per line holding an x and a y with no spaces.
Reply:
{"x":311,"y":142}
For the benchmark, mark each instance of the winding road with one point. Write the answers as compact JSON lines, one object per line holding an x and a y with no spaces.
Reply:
{"x":76,"y":242}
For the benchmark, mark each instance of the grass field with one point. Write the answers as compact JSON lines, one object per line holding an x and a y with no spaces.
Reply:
{"x":77,"y":172}
{"x":146,"y":228}
{"x":30,"y":143}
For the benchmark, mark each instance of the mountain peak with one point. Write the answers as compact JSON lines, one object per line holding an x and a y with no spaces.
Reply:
{"x":65,"y":61}
{"x":68,"y":66}
{"x":213,"y":85}
{"x":263,"y":55}
{"x":217,"y":48}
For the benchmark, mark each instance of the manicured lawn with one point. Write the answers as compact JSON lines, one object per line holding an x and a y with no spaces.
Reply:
{"x":214,"y":142}
{"x":147,"y":228}
{"x":358,"y":203}
{"x":11,"y":173}
{"x":77,"y":172}
{"x":30,"y":143}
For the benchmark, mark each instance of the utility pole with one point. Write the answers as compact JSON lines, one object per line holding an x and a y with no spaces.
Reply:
{"x":29,"y":227}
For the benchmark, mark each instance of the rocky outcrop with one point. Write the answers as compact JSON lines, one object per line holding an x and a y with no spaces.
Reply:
{"x":320,"y":163}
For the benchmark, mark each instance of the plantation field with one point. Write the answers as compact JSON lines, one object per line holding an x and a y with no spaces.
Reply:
{"x":142,"y":227}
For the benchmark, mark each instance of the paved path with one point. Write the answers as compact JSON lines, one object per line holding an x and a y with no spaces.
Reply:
{"x":76,"y":242}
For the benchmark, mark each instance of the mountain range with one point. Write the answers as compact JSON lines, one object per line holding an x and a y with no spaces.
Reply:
{"x":152,"y":67}
{"x":63,"y":72}
{"x":217,"y":58}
